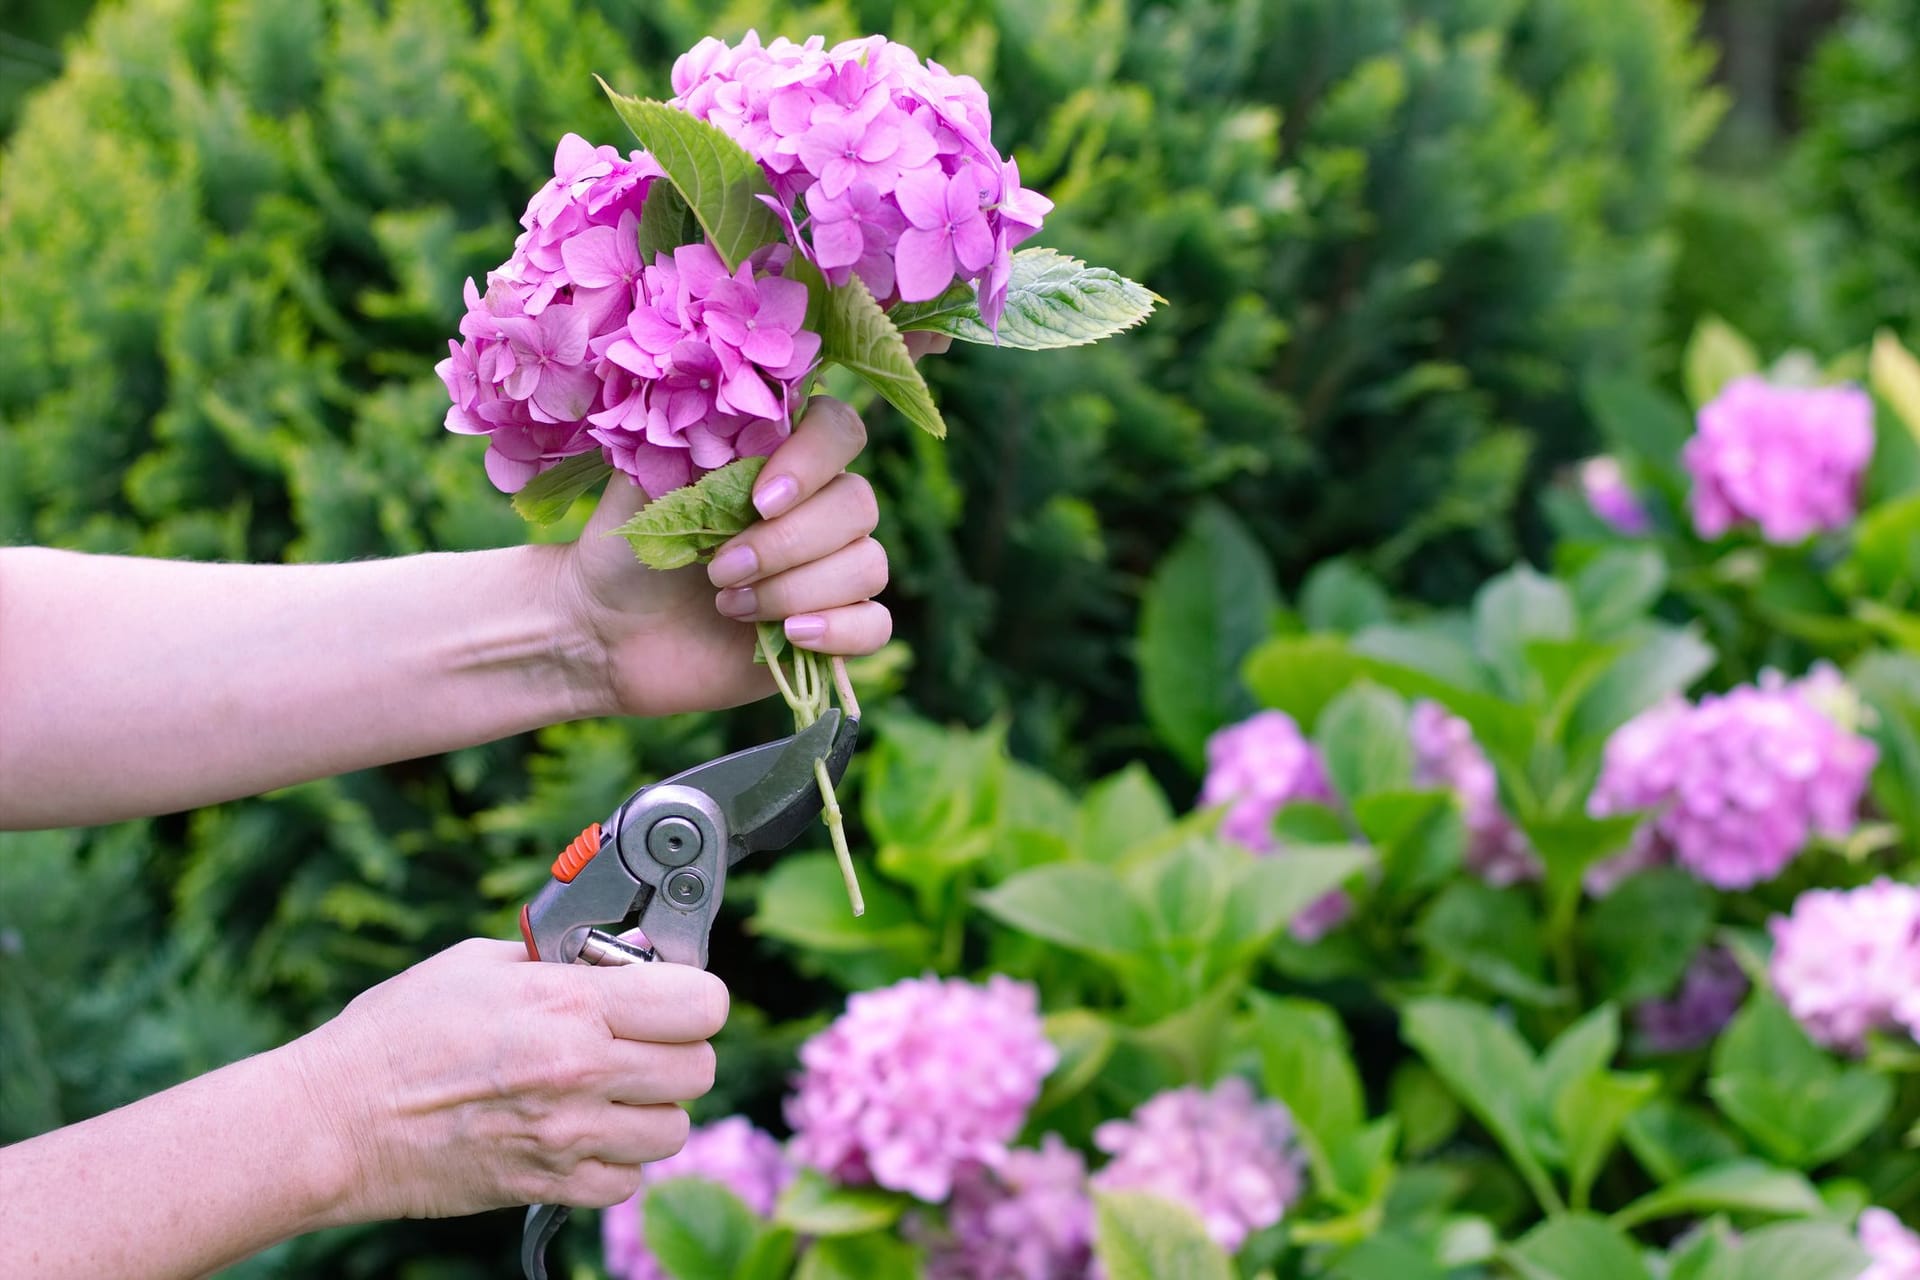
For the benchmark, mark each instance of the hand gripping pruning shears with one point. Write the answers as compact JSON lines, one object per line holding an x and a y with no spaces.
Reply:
{"x":660,"y":863}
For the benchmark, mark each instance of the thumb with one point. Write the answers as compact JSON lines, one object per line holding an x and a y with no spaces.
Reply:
{"x":618,"y":503}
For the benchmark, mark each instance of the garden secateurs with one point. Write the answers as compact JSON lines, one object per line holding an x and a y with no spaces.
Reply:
{"x":659,"y":864}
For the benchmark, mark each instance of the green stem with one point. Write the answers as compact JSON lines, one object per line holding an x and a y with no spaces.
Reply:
{"x":836,"y":828}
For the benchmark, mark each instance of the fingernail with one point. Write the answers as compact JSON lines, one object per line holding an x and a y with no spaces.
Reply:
{"x":775,"y":496}
{"x":805,"y":628}
{"x":736,"y":602}
{"x":735,"y":564}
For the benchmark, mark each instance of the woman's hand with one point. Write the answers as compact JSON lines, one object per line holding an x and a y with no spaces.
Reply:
{"x":477,"y":1080}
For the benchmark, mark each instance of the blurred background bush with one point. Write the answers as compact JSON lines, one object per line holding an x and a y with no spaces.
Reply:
{"x":1397,"y":239}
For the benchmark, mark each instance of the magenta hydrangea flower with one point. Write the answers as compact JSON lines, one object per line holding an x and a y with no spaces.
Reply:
{"x":668,"y":369}
{"x":1893,"y":1249}
{"x":1446,"y":757}
{"x":901,"y":182}
{"x":732,"y":1152}
{"x":1788,"y":459}
{"x":919,"y":1080}
{"x":1738,"y":783}
{"x":1848,"y":962}
{"x":1221,"y":1152}
{"x":1257,"y":768}
{"x":1029,"y":1217}
{"x":1610,"y":497}
{"x":1710,"y":993}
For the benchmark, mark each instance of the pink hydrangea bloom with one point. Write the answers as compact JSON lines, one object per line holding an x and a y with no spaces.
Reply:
{"x":1738,"y":783}
{"x":1788,"y":459}
{"x":731,"y":1152}
{"x":1848,"y":962}
{"x":1223,"y":1153}
{"x":901,"y":182}
{"x":1710,"y":994}
{"x":1893,"y":1249}
{"x":1611,"y":498}
{"x":1028,"y":1218}
{"x":1446,"y":757}
{"x":1257,"y":768}
{"x":916,"y":1081}
{"x":669,"y":369}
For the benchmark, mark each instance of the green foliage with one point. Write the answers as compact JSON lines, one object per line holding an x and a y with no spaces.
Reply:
{"x":1052,"y":301}
{"x":677,"y":529}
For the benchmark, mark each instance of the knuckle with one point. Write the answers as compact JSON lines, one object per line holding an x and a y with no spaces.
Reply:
{"x":599,"y":1185}
{"x":840,"y":417}
{"x":669,"y":1129}
{"x":873,"y":565}
{"x":703,"y":1069}
{"x":866,"y":501}
{"x":711,"y":1004}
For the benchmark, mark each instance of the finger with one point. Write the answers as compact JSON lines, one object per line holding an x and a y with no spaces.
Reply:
{"x":595,"y":1184}
{"x":854,"y":573}
{"x":625,"y":1135}
{"x":662,"y":1003}
{"x":830,"y":435}
{"x":842,"y":513}
{"x":849,"y":632}
{"x":921,"y":343}
{"x":644,"y":1075}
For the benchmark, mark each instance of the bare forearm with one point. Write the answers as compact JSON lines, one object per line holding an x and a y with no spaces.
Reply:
{"x":134,"y":686}
{"x":180,"y":1184}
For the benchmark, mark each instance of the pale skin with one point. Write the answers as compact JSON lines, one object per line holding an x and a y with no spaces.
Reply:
{"x":474,"y":1080}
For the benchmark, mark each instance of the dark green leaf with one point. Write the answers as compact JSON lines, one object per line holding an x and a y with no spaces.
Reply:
{"x":547,"y":496}
{"x":1642,"y":422}
{"x":1306,"y":1064}
{"x":1672,"y":1139}
{"x":678,"y":528}
{"x":1589,"y":1113}
{"x":1739,"y":1186}
{"x":856,"y":334}
{"x":1644,"y":934}
{"x":1340,"y":596}
{"x":1493,"y":936}
{"x":716,"y":177}
{"x":1210,"y":602}
{"x":1617,"y":588}
{"x":1427,"y":1112}
{"x":666,"y":223}
{"x":1793,"y":1100}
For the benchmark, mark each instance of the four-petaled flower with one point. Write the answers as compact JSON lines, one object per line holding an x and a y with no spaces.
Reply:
{"x":948,"y":235}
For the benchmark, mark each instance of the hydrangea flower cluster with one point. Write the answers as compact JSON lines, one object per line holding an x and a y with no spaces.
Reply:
{"x":1223,"y":1153}
{"x":1611,"y":498}
{"x":917,"y":1081}
{"x":1788,"y":459}
{"x":894,"y":159}
{"x":1711,"y":992}
{"x":1027,"y":1218}
{"x":1445,"y":756}
{"x":1894,"y":1251}
{"x":732,"y":1152}
{"x":1739,"y":782}
{"x":1257,"y":768}
{"x":669,"y":369}
{"x":1848,"y":962}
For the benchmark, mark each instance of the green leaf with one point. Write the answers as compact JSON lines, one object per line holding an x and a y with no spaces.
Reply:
{"x":1672,"y":1139}
{"x":1427,"y":1112}
{"x":804,"y":902}
{"x":546,"y":498}
{"x":1306,"y":1063}
{"x":1085,"y":1042}
{"x":679,"y":528}
{"x":1569,"y":845}
{"x":1519,"y":606}
{"x":814,"y":1206}
{"x":1578,"y":1247}
{"x":1491,"y":1070}
{"x":1642,"y":422}
{"x":1493,"y":936}
{"x":1738,"y":1186}
{"x":768,"y":1257}
{"x":716,"y":177}
{"x":1644,"y":934}
{"x":1143,"y":1237}
{"x":866,"y":1257}
{"x":1269,"y":892}
{"x":697,"y":1228}
{"x":1052,"y":301}
{"x":1210,"y":602}
{"x":1340,"y":596}
{"x":1617,"y":588}
{"x":1716,"y":355}
{"x":1121,"y":812}
{"x":1420,"y":837}
{"x":1076,"y":905}
{"x":1664,"y":661}
{"x":1801,"y":1250}
{"x":857,"y":335}
{"x":1894,"y":375}
{"x":1793,"y":1100}
{"x":1589,"y":1114}
{"x":666,"y":223}
{"x":1362,"y":737}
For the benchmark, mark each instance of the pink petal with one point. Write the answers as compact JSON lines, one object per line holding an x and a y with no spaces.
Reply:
{"x":837,"y":244}
{"x":567,"y":394}
{"x":972,"y":245}
{"x":923,"y":264}
{"x":564,"y":329}
{"x":746,"y":392}
{"x":509,"y":475}
{"x":923,"y":197}
{"x":783,"y":304}
{"x":593,"y":257}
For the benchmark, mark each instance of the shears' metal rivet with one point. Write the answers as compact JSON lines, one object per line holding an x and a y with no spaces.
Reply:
{"x":673,"y":842}
{"x":686,"y":888}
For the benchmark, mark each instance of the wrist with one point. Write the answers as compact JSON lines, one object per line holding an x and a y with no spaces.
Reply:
{"x":564,"y":662}
{"x":334,"y":1177}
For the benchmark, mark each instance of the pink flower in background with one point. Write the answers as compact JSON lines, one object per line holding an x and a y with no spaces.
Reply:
{"x":1710,"y":993}
{"x":1223,"y":1153}
{"x":1029,"y":1217}
{"x":1788,"y":459}
{"x":894,"y":157}
{"x":917,"y":1081}
{"x":1445,"y":756}
{"x":1257,"y":768}
{"x":731,"y":1152}
{"x":1894,"y":1251}
{"x":1848,"y":962}
{"x":1611,"y":498}
{"x":1738,"y":783}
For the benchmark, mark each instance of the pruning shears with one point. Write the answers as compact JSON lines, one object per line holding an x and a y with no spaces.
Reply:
{"x":659,"y":864}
